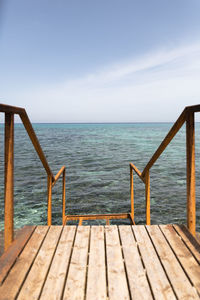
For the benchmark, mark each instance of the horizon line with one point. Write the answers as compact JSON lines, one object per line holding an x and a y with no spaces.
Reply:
{"x":136,"y":122}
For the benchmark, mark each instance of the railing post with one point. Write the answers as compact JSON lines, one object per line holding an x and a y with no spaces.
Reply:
{"x":147,"y":196}
{"x":190,"y":146}
{"x":131,"y":193}
{"x":63,"y":197}
{"x":49,"y":199}
{"x":9,"y":181}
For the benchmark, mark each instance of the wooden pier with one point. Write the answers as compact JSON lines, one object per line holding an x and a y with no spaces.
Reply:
{"x":97,"y":262}
{"x":100,"y":262}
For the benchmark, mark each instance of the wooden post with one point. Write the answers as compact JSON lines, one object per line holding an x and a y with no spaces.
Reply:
{"x":190,"y":146}
{"x":131,"y":192}
{"x":63,"y":197}
{"x":49,"y":192}
{"x":147,"y":195}
{"x":9,"y":181}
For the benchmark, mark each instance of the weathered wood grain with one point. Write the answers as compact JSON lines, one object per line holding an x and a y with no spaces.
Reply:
{"x":171,"y":265}
{"x":189,"y":240}
{"x":54,"y":283}
{"x":96,"y":282}
{"x":117,"y":281}
{"x":138,"y":283}
{"x":17,"y":275}
{"x":183,"y":254}
{"x":35,"y":280}
{"x":9,"y":257}
{"x":157,"y":277}
{"x":76,"y":278}
{"x":104,"y":262}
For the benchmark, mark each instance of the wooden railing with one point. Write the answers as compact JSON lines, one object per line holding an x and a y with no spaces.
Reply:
{"x":10,"y":111}
{"x":188,"y":117}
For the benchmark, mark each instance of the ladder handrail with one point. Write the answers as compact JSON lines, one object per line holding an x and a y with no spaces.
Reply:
{"x":171,"y":134}
{"x":187,"y":116}
{"x":166,"y":141}
{"x":10,"y":111}
{"x":28,"y":126}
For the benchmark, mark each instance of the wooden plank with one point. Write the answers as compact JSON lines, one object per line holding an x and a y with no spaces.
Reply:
{"x":117,"y":282}
{"x":9,"y":181}
{"x":137,"y":279}
{"x":189,"y":264}
{"x":54,"y":284}
{"x":76,"y":279}
{"x":189,"y":240}
{"x":17,"y":275}
{"x":175,"y":273}
{"x":35,"y":279}
{"x":190,"y":149}
{"x":96,"y":283}
{"x":8,"y":258}
{"x":159,"y":283}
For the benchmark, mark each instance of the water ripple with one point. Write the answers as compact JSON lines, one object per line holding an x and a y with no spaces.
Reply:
{"x":97,"y":157}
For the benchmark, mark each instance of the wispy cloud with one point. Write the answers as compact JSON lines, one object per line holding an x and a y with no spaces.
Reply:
{"x":153,"y":87}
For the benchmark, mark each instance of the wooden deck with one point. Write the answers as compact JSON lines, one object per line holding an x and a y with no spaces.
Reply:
{"x":97,"y":262}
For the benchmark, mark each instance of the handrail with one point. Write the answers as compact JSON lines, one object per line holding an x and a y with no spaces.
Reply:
{"x":137,"y":171}
{"x":10,"y":111}
{"x":173,"y":131}
{"x":27,"y":124}
{"x":186,"y":116}
{"x":60,"y":172}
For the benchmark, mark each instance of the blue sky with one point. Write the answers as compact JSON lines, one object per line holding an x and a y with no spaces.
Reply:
{"x":100,"y":61}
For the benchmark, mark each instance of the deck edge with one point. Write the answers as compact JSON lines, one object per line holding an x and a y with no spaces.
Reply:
{"x":10,"y":255}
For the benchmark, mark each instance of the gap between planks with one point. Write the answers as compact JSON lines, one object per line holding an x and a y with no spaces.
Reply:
{"x":105,"y":262}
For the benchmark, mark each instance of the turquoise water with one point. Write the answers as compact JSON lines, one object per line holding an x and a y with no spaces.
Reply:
{"x":97,"y":158}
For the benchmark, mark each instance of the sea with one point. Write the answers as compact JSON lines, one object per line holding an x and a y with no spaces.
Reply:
{"x":97,"y":158}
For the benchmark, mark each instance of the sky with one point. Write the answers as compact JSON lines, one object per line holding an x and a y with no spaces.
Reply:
{"x":100,"y":61}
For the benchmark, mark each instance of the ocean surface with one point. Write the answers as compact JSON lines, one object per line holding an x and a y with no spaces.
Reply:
{"x":97,"y":159}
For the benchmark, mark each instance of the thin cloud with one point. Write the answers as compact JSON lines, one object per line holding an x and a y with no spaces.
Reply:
{"x":153,"y":87}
